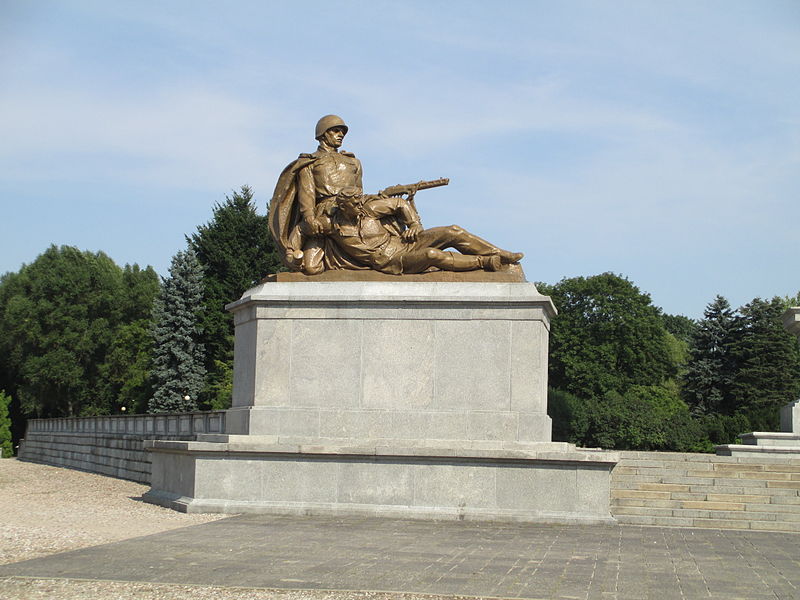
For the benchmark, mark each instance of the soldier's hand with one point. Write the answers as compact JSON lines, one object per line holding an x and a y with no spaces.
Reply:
{"x":312,"y":227}
{"x":410,"y":234}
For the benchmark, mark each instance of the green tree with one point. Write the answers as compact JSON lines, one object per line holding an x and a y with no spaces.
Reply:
{"x":126,"y":368}
{"x":236,"y":251}
{"x":767,"y":361}
{"x":178,"y":369}
{"x":710,"y":369}
{"x":6,"y":444}
{"x":59,"y":317}
{"x":607,"y":337}
{"x":570,"y":416}
{"x":683,"y":328}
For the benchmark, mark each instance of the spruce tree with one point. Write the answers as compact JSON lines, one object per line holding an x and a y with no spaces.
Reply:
{"x":178,"y":370}
{"x":767,"y":362}
{"x":236,"y":251}
{"x":709,"y":373}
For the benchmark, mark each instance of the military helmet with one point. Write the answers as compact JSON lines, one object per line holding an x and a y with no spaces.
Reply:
{"x":327,"y":122}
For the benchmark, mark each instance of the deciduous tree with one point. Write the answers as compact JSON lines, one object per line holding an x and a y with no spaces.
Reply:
{"x":607,"y":337}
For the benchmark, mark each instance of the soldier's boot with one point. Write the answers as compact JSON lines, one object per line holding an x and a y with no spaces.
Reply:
{"x":461,"y":262}
{"x":508,"y":258}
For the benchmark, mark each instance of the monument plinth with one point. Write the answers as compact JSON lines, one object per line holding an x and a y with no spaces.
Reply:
{"x":399,"y":361}
{"x":423,"y":399}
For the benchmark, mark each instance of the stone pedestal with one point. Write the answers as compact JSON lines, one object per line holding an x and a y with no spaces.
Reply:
{"x":392,"y":361}
{"x":391,"y":397}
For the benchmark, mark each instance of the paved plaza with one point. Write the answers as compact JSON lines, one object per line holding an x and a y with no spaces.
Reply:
{"x":445,"y":558}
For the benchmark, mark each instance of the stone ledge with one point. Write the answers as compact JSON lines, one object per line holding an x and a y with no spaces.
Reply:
{"x":194,"y":505}
{"x":509,"y":274}
{"x":754,"y":450}
{"x":553,"y":452}
{"x":380,"y":292}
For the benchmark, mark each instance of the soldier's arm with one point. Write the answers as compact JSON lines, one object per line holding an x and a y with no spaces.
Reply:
{"x":306,"y":199}
{"x":359,"y":185}
{"x":402,"y":209}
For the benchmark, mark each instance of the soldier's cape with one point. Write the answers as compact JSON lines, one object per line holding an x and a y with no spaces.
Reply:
{"x":284,"y":211}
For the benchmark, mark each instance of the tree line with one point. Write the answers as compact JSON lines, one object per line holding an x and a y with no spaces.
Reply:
{"x":80,"y":335}
{"x":625,"y":375}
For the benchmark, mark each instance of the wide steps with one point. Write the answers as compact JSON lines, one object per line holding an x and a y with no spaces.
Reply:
{"x":699,"y":490}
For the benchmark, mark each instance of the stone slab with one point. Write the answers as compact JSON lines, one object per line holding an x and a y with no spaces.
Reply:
{"x":772,"y":438}
{"x":508,"y":274}
{"x":547,"y":482}
{"x":754,"y":450}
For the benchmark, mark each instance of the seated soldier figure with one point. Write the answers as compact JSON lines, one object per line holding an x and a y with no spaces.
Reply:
{"x":358,"y":228}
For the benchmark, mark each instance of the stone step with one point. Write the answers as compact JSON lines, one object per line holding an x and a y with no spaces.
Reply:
{"x":788,"y":512}
{"x":684,"y":521}
{"x":783,"y":472}
{"x":704,"y":491}
{"x":742,"y":463}
{"x":715,"y":486}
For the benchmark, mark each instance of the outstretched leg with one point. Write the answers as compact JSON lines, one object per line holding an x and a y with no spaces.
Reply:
{"x":419,"y":261}
{"x":465,"y":242}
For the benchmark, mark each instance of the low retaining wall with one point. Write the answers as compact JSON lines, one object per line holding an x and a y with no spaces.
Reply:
{"x":111,"y":445}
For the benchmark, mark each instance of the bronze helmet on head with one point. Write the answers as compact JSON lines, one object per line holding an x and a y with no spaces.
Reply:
{"x":327,"y":122}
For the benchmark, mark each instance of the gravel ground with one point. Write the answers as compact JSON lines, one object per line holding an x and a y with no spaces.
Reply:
{"x":45,"y":510}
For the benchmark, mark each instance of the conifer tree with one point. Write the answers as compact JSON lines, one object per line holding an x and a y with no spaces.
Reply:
{"x":236,"y":251}
{"x":710,"y":370}
{"x":178,"y":369}
{"x":767,"y":360}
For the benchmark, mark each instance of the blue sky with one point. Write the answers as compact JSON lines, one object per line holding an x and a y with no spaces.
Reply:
{"x":657,"y":140}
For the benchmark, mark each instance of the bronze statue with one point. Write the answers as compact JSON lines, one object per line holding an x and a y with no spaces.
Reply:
{"x":321,"y":220}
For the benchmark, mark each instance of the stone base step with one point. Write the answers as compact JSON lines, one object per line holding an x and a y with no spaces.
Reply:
{"x":670,"y":521}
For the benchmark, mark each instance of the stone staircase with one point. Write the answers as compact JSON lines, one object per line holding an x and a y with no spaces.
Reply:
{"x":705,"y":490}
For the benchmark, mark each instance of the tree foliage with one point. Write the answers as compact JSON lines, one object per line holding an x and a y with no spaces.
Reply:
{"x":236,"y":251}
{"x":59,"y":319}
{"x":178,"y":370}
{"x":643,"y":418}
{"x":683,"y":328}
{"x":709,"y":376}
{"x":767,"y":364}
{"x":607,"y":337}
{"x":6,"y":445}
{"x":743,"y":367}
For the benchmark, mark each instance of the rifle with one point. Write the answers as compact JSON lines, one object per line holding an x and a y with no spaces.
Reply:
{"x":412,"y":188}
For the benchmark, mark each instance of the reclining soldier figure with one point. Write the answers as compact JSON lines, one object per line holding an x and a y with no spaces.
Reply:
{"x":358,"y":229}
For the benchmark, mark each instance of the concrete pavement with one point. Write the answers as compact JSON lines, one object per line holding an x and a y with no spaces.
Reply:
{"x":447,"y":558}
